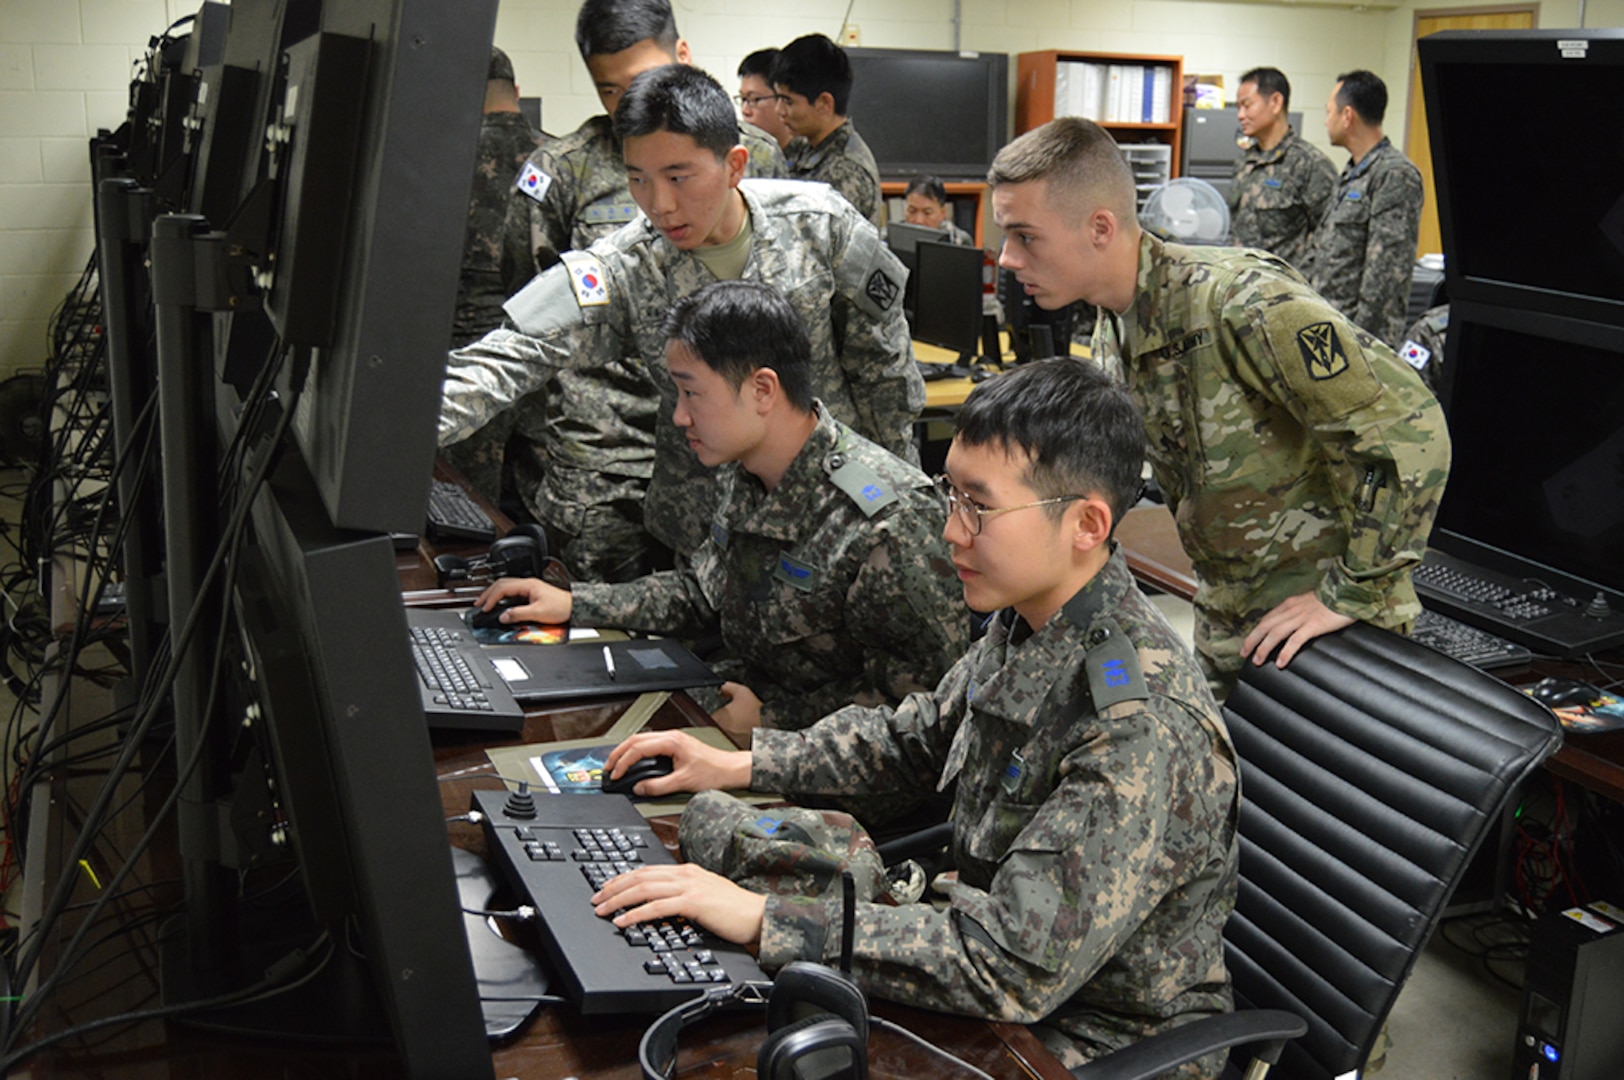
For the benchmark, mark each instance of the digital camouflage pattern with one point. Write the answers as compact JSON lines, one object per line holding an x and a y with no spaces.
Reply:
{"x":588,"y":198}
{"x":506,"y":139}
{"x":788,"y":850}
{"x":1364,"y":250}
{"x":1094,"y":817}
{"x":844,"y":162}
{"x":1297,"y":452}
{"x":1423,"y":347}
{"x":956,"y":235}
{"x":835,"y":587}
{"x":1279,"y":195}
{"x":807,"y":243}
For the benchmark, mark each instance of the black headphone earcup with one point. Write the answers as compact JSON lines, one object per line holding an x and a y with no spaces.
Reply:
{"x":819,"y":1047}
{"x":536,"y":533}
{"x":802,"y":987}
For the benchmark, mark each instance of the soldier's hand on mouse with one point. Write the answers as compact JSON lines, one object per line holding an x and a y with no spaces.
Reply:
{"x":542,"y":603}
{"x":695,"y":765}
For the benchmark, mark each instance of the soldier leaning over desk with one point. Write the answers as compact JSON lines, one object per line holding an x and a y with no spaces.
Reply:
{"x":1093,"y":784}
{"x":1302,"y":460}
{"x":702,"y":224}
{"x":825,"y":570}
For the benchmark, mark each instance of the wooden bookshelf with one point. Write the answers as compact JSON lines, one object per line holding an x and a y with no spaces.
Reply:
{"x":1035,"y":95}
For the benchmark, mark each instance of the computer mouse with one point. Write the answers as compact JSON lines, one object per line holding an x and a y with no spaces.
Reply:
{"x":479,"y":619}
{"x":1560,"y":693}
{"x":638,"y":771}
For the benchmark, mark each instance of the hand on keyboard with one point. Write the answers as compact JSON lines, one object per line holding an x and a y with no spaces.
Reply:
{"x":729,"y":911}
{"x":695,"y":766}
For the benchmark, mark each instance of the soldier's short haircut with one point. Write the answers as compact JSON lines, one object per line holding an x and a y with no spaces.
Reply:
{"x":1082,"y":163}
{"x":1366,"y":92}
{"x":611,"y":26}
{"x":814,"y":65}
{"x":930,"y":187}
{"x":683,"y":100}
{"x":1270,"y":81}
{"x":736,"y":327}
{"x":760,"y":63}
{"x":1079,"y":428}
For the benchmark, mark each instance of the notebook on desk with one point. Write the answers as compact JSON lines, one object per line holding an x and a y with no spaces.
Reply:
{"x":539,"y":674}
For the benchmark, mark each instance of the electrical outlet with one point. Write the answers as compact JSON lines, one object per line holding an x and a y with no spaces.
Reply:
{"x":853,"y":37}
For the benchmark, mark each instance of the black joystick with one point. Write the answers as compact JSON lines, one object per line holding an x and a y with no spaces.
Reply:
{"x":520,"y":804}
{"x":1599,"y":608}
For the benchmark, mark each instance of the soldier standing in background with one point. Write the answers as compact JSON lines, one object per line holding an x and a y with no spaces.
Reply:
{"x":1093,"y":783}
{"x":824,"y":572}
{"x":1364,"y":250}
{"x":1302,"y":460}
{"x":506,"y":139}
{"x":758,"y":101}
{"x":1282,"y":185}
{"x":813,"y":78}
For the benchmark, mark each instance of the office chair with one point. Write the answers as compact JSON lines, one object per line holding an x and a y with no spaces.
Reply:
{"x":1372,"y":769}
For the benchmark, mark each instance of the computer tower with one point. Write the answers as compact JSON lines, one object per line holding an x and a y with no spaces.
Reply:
{"x":1571,"y":1024}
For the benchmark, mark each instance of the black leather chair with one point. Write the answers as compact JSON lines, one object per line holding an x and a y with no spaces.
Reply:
{"x":1372,"y":769}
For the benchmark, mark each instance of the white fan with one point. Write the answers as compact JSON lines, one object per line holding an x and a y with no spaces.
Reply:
{"x":1187,"y":211}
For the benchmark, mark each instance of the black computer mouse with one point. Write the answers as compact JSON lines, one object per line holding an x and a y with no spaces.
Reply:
{"x":1558,"y":693}
{"x":479,"y":619}
{"x":638,"y":771}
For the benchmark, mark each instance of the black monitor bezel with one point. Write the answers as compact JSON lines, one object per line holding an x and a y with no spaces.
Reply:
{"x":995,"y":69}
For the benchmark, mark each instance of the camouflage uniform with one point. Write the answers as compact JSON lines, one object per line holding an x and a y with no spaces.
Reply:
{"x":835,"y":587}
{"x":844,"y":162}
{"x":1423,"y":347}
{"x":571,"y":192}
{"x":1094,"y":817}
{"x":1363,"y":254}
{"x":1297,"y":453}
{"x":956,"y":235}
{"x":1279,"y":195}
{"x":807,"y":243}
{"x":506,"y":139}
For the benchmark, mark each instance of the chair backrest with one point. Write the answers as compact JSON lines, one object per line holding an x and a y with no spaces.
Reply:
{"x":1371,"y":770}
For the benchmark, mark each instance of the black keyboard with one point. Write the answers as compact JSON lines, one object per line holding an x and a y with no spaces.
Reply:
{"x":1468,"y":644}
{"x":454,"y":515}
{"x":1458,"y":584}
{"x":1556,"y":615}
{"x":556,"y":859}
{"x":456,"y":694}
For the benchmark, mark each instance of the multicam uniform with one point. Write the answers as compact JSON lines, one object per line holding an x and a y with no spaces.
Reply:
{"x":835,"y":587}
{"x":807,"y":243}
{"x":1093,"y":829}
{"x":506,"y":139}
{"x":1297,"y":453}
{"x":1279,"y":195}
{"x":1363,"y":254}
{"x":844,"y":162}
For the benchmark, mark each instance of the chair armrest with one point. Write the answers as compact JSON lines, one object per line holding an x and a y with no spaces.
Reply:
{"x":1161,"y":1053}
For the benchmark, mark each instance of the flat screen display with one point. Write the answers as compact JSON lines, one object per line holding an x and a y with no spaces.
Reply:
{"x":1527,"y":131}
{"x":1537,"y":426}
{"x":920,"y":111}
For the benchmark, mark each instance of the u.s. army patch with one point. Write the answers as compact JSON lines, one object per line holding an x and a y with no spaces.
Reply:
{"x":587,"y":278}
{"x":882,"y":290}
{"x":533,"y":182}
{"x":1322,"y":350}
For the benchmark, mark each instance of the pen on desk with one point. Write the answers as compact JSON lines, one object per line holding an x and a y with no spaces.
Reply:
{"x":609,"y":662}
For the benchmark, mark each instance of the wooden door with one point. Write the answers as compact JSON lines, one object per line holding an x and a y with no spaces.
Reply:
{"x":1416,"y":144}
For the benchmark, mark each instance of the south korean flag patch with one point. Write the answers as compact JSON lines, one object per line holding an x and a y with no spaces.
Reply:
{"x":533,"y":182}
{"x":1415,"y":354}
{"x":587,"y":278}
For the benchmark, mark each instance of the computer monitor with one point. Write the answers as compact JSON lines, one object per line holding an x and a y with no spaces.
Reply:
{"x":947,"y":296}
{"x":965,"y":101}
{"x":1547,"y":235}
{"x":1536,"y":482}
{"x":1034,"y":333}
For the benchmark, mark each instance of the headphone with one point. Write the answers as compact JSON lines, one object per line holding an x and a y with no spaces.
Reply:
{"x":817,"y":1026}
{"x":521,"y":553}
{"x":817,"y":1019}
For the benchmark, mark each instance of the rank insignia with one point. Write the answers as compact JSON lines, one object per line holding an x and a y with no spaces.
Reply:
{"x":1322,"y":351}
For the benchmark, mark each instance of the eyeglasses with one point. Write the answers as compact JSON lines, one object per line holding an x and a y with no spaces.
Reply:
{"x":759,"y":100}
{"x":971,"y":513}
